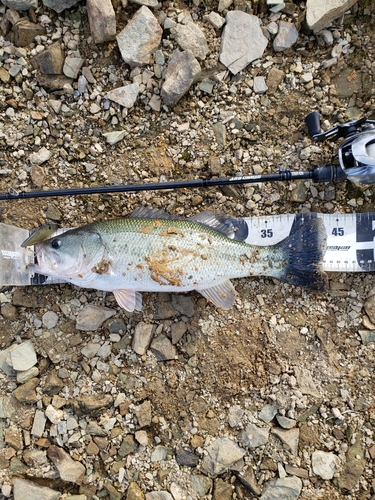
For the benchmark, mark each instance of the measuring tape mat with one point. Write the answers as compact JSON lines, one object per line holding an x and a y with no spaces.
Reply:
{"x":350,"y":237}
{"x":350,"y":243}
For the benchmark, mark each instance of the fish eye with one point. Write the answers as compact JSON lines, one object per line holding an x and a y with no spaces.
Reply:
{"x":56,"y":243}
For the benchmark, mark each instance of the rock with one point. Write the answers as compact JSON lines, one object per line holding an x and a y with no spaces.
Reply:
{"x":54,"y":83}
{"x":235,"y":414}
{"x":25,"y":32}
{"x":285,"y":422}
{"x":354,"y":465}
{"x":114,"y":137}
{"x":288,"y":488}
{"x":50,"y":319}
{"x":90,"y":350}
{"x":190,"y":37}
{"x":143,"y":414}
{"x":9,"y":312}
{"x":186,"y":457}
{"x":222,"y":453}
{"x":296,"y":471}
{"x":26,"y":393}
{"x":38,"y":424}
{"x":163,"y":348}
{"x":21,"y":4}
{"x":69,"y":469}
{"x":92,"y":317}
{"x":160,"y":453}
{"x":50,"y":61}
{"x":134,"y":492}
{"x":142,"y":438}
{"x":140,"y":38}
{"x":369,"y":306}
{"x":286,"y":36}
{"x":306,"y":382}
{"x":215,"y":20}
{"x":267,"y":413}
{"x":347,"y":82}
{"x":367,"y":336}
{"x":148,"y":3}
{"x":325,"y":464}
{"x":274,"y":78}
{"x":102,"y":20}
{"x":319,"y":13}
{"x":249,"y":481}
{"x":222,"y":490}
{"x":155,"y":102}
{"x":93,"y":403}
{"x":260,"y":86}
{"x":27,"y":489}
{"x":200,"y":484}
{"x":182,"y":69}
{"x":40,"y":156}
{"x":242,"y":41}
{"x":125,"y":96}
{"x":254,"y":436}
{"x":13,"y":437}
{"x":37,"y":175}
{"x":23,"y":356}
{"x":159,"y":495}
{"x":288,"y":437}
{"x":72,"y":66}
{"x":54,"y":415}
{"x":25,"y":376}
{"x":59,"y":5}
{"x":128,"y":446}
{"x":4,"y":75}
{"x":220,"y":133}
{"x":53,"y":384}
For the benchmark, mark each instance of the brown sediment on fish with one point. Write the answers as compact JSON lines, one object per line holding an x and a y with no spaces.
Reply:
{"x":252,"y":257}
{"x":161,"y":271}
{"x":150,"y":227}
{"x":101,"y":267}
{"x":172,"y":231}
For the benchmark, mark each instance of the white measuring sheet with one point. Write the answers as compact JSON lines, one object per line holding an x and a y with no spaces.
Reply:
{"x":350,"y":237}
{"x":350,"y":243}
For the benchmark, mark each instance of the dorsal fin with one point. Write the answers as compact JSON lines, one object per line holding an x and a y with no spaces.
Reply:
{"x":235,"y":229}
{"x":151,"y":213}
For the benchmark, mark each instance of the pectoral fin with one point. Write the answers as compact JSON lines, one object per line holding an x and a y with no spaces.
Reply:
{"x":223,"y":295}
{"x":130,"y":300}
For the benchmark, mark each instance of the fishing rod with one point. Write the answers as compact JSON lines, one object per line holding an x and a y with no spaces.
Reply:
{"x":356,"y":163}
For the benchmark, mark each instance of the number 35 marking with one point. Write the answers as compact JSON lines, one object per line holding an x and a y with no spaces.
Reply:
{"x":266,"y":233}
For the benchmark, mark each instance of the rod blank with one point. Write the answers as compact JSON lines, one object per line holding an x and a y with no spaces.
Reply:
{"x":325,"y":173}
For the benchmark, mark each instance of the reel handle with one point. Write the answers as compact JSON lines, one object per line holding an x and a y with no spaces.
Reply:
{"x":313,"y":123}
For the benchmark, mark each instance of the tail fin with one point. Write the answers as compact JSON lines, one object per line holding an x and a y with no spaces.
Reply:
{"x":304,"y":250}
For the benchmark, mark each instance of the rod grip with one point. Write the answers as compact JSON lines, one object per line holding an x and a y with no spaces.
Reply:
{"x":313,"y":123}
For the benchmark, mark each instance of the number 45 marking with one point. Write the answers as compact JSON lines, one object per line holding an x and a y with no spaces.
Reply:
{"x":338,"y":231}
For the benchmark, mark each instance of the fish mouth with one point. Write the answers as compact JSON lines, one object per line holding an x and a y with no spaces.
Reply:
{"x":44,"y":263}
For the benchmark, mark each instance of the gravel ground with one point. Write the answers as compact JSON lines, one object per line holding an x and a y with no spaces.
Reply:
{"x":270,"y":399}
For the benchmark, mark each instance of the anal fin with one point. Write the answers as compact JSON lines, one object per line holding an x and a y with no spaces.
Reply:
{"x":129,"y":300}
{"x":223,"y":295}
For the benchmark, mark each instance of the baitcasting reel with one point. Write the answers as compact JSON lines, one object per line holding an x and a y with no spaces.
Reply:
{"x":356,"y":152}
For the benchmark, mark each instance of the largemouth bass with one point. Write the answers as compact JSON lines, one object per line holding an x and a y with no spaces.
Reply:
{"x":152,"y":251}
